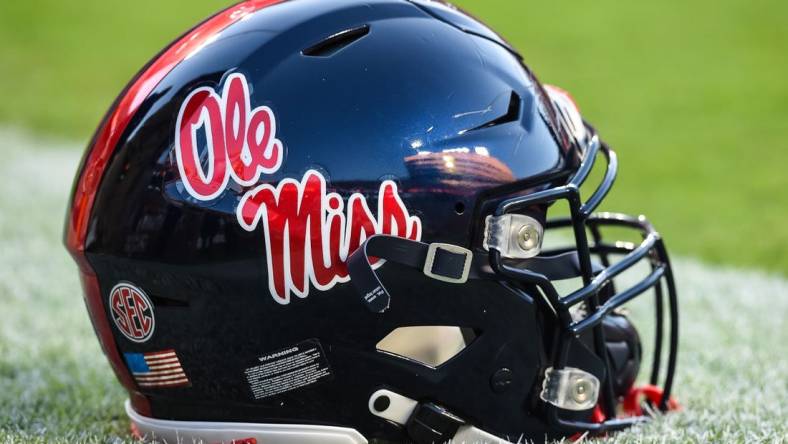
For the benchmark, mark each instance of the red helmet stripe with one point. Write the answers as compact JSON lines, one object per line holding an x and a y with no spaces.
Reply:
{"x":115,"y":123}
{"x":101,"y":150}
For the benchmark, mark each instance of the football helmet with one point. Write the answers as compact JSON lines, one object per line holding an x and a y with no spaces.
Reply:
{"x":316,"y":221}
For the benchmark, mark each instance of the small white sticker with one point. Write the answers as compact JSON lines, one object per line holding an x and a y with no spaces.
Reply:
{"x":287,"y":369}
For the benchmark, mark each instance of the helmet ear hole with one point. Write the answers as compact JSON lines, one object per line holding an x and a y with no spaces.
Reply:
{"x":430,"y":345}
{"x":459,"y":208}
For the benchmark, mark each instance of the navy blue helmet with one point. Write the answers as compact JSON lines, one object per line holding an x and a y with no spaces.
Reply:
{"x":327,"y":221}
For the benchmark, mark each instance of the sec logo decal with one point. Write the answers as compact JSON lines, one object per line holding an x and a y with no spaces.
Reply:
{"x":132,"y":311}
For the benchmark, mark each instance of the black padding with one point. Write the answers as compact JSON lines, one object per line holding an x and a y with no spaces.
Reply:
{"x":431,"y":423}
{"x":555,"y":268}
{"x":619,"y":353}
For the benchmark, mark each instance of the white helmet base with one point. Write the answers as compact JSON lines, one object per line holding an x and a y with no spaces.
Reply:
{"x":198,"y":432}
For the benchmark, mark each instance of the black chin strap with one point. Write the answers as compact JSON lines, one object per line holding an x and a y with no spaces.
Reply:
{"x":443,"y":262}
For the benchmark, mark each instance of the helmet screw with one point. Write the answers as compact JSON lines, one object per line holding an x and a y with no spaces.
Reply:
{"x":582,"y":389}
{"x":528,"y":237}
{"x":382,"y":403}
{"x":501,"y":380}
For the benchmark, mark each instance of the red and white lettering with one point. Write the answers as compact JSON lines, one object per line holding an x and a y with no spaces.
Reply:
{"x":132,"y":312}
{"x":309,"y":234}
{"x":241,"y":142}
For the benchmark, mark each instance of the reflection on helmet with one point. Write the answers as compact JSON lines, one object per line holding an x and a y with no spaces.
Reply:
{"x":323,"y":222}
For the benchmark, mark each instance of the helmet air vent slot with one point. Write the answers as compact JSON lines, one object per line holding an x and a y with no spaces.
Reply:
{"x":336,"y":42}
{"x":168,"y":301}
{"x":512,"y":113}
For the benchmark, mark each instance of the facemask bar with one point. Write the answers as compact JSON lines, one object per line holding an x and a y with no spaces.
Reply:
{"x":651,"y":249}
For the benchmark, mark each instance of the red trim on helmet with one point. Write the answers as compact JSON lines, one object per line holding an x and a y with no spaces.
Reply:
{"x":564,"y":92}
{"x":95,"y":305}
{"x":597,"y":417}
{"x":103,"y":146}
{"x":652,"y":393}
{"x":631,"y":405}
{"x":109,"y":133}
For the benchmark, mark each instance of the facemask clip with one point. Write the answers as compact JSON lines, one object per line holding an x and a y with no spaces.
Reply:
{"x":515,"y":236}
{"x":570,"y":388}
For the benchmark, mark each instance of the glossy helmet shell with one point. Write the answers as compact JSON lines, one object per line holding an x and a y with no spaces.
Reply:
{"x":364,"y":93}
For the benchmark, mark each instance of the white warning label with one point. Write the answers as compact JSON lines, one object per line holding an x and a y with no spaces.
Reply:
{"x":288,"y":369}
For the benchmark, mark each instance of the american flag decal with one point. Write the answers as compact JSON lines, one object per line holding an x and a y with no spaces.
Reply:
{"x":157,"y":369}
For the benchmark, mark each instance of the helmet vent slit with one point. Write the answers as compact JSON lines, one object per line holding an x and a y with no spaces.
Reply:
{"x":336,"y":42}
{"x":161,"y":301}
{"x":512,"y":114}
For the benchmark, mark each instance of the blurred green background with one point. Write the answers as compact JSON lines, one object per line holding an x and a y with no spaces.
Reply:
{"x":692,"y":94}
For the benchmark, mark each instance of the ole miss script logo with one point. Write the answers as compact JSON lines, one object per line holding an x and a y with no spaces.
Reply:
{"x":308,"y":232}
{"x":132,"y":312}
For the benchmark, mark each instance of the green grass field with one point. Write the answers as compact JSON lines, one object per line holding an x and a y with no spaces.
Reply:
{"x":693,"y":96}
